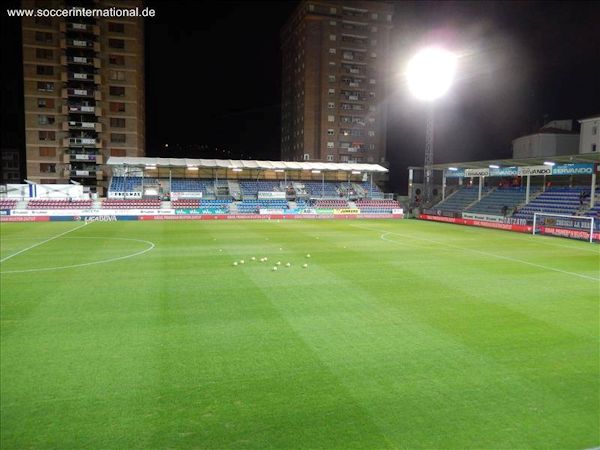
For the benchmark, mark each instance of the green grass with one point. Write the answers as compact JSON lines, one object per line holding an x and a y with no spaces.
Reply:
{"x":399,"y":334}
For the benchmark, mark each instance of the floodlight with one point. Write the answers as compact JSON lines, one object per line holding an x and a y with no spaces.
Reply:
{"x":549,"y":163}
{"x":494,"y":166}
{"x":192,"y":167}
{"x":315,"y":171}
{"x":430,"y":73}
{"x":453,"y":168}
{"x":237,"y":169}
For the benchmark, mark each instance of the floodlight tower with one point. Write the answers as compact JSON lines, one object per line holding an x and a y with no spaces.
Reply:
{"x":430,"y":73}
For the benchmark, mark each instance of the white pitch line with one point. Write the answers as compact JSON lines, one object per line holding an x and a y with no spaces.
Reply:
{"x":92,"y":263}
{"x":508,"y":258}
{"x":40,"y":243}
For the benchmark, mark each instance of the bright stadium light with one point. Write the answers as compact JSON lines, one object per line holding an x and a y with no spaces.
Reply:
{"x":549,"y":163}
{"x":192,"y":167}
{"x":494,"y":166}
{"x":453,"y":169}
{"x":430,"y":73}
{"x":315,"y":171}
{"x":237,"y":169}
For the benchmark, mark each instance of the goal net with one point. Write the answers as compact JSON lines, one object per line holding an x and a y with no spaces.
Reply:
{"x":574,"y":227}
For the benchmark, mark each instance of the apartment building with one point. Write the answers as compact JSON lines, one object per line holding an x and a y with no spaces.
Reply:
{"x":334,"y":72}
{"x":84,"y":93}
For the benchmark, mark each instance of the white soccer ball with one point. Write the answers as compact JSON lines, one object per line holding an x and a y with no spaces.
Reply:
{"x":242,"y":261}
{"x":266,"y":259}
{"x":288,"y":265}
{"x":305,"y":266}
{"x":308,"y":256}
{"x":274,"y":267}
{"x":278,"y":263}
{"x":220,"y":249}
{"x":253,"y":258}
{"x":235,"y":263}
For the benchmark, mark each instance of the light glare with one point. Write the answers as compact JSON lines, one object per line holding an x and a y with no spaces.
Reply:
{"x":430,"y":73}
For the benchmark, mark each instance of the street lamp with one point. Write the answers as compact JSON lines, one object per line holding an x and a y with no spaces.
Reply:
{"x":430,"y":73}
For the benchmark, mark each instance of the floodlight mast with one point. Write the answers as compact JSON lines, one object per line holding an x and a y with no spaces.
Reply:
{"x":430,"y":73}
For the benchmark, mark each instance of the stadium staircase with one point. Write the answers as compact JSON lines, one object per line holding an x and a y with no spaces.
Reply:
{"x":360,"y":191}
{"x":234,"y":190}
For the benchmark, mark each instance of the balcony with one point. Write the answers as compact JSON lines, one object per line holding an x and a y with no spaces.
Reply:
{"x":85,"y":142}
{"x":72,"y":92}
{"x":71,"y":157}
{"x":85,"y":44}
{"x":81,"y":60}
{"x":80,"y":27}
{"x":82,"y":109}
{"x":76,"y":125}
{"x":80,"y":76}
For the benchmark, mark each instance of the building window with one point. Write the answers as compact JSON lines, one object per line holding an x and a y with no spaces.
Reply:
{"x":41,"y":36}
{"x":332,"y":37}
{"x":373,"y":55}
{"x":117,"y":122}
{"x":332,"y":51}
{"x":117,"y":107}
{"x":45,"y":103}
{"x":332,"y":78}
{"x":45,"y":70}
{"x":44,"y":53}
{"x":47,"y":167}
{"x":371,"y":80}
{"x":116,"y":27}
{"x":330,"y":118}
{"x":118,"y":152}
{"x":330,"y":132}
{"x":306,"y":157}
{"x":330,"y":145}
{"x":331,"y":91}
{"x":371,"y":133}
{"x":44,"y":86}
{"x":48,"y":152}
{"x":373,"y":42}
{"x":116,"y":60}
{"x":46,"y":135}
{"x":46,"y":120}
{"x":118,"y":137}
{"x":116,"y":75}
{"x":331,"y":105}
{"x":116,"y":91}
{"x":329,"y":157}
{"x":332,"y":11}
{"x":116,"y":43}
{"x":333,"y":23}
{"x":594,"y":130}
{"x":374,"y":29}
{"x":374,"y":16}
{"x":593,"y":147}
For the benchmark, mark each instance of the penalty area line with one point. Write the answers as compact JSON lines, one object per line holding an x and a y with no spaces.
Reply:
{"x":40,"y":243}
{"x":480,"y":252}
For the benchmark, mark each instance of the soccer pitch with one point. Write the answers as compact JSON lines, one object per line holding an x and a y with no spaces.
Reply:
{"x":398,"y":334}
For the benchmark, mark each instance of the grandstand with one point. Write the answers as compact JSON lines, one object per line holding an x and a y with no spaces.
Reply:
{"x":497,"y":199}
{"x":557,"y":200}
{"x":460,"y":199}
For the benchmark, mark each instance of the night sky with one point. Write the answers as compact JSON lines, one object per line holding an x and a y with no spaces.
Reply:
{"x":213,"y":74}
